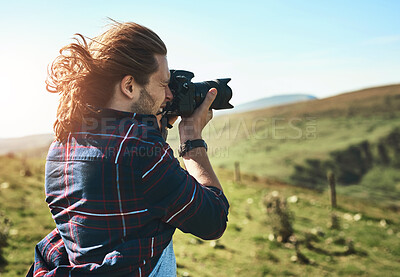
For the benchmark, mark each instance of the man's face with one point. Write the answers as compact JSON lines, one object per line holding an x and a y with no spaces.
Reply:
{"x":156,"y":93}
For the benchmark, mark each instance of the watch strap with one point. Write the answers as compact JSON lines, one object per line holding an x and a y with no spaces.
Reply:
{"x":191,"y":144}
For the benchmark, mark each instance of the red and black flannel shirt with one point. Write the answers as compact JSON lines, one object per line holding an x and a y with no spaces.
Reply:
{"x":117,"y":193}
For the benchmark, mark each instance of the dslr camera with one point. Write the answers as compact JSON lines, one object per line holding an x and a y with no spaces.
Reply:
{"x":188,"y":96}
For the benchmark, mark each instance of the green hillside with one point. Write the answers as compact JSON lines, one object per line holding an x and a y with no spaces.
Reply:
{"x":273,"y":142}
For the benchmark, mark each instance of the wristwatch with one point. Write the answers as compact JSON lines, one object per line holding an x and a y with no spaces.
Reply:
{"x":189,"y":145}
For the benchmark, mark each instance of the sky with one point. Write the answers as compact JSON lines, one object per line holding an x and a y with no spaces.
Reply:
{"x":322,"y":48}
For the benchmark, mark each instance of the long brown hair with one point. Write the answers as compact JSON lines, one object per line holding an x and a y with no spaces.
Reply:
{"x":84,"y":74}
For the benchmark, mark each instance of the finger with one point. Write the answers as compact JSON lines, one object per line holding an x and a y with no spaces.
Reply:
{"x":210,"y":97}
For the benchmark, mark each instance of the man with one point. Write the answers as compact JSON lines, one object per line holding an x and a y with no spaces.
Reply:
{"x":113,"y":186}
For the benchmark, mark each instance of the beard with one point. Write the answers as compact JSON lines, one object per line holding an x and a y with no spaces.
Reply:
{"x":145,"y":104}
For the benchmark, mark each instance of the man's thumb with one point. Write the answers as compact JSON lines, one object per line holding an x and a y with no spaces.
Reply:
{"x":212,"y":93}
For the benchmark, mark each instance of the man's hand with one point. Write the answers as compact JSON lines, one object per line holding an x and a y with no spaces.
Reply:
{"x":190,"y":128}
{"x":196,"y":161}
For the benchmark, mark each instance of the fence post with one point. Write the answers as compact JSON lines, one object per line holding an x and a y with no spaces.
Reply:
{"x":335,"y":224}
{"x":237,"y":172}
{"x":332,"y":185}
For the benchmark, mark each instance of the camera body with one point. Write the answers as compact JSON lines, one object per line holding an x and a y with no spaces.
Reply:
{"x":188,"y":95}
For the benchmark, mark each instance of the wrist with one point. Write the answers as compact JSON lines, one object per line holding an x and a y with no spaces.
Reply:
{"x":189,"y":132}
{"x":189,"y":145}
{"x":184,"y":136}
{"x":183,"y":139}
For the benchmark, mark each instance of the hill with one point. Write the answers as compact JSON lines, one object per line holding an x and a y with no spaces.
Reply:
{"x":377,"y":99}
{"x":27,"y":143}
{"x":272,"y":142}
{"x":267,"y":102}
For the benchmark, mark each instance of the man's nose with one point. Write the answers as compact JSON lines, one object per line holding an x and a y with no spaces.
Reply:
{"x":168,"y":94}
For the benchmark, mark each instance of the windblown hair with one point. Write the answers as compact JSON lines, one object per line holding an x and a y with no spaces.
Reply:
{"x":85,"y":74}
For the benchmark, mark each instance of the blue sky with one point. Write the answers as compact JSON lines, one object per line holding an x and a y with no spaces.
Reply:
{"x":321,"y":48}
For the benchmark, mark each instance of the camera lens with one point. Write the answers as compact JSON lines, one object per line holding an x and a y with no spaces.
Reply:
{"x":223,"y":96}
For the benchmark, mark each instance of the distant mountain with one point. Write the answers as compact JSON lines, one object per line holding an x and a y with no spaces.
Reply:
{"x":22,"y":144}
{"x":268,"y":102}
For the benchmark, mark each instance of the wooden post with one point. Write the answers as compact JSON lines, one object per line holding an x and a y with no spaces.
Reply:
{"x":237,"y":172}
{"x":332,"y":185}
{"x":335,"y":224}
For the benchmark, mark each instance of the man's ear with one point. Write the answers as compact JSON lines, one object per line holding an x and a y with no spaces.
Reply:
{"x":128,"y":86}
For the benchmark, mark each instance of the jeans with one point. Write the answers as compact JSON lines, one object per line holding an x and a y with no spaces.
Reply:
{"x":166,"y":265}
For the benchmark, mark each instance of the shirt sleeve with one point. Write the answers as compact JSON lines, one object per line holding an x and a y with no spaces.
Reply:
{"x":179,"y":200}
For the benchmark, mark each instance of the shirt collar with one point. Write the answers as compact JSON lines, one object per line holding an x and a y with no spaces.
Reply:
{"x":147,"y":119}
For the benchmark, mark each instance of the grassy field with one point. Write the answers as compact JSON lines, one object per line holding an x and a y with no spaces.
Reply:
{"x":247,"y":248}
{"x":22,"y":201}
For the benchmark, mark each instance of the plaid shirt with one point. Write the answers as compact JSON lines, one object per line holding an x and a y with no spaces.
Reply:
{"x":117,"y":193}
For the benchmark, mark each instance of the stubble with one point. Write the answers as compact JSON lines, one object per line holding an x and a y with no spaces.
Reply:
{"x":145,"y":104}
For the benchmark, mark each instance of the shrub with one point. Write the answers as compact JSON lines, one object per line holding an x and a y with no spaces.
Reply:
{"x":280,"y":216}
